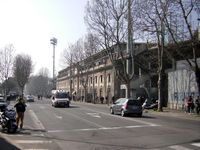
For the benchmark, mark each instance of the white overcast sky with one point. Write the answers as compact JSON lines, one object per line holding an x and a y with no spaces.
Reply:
{"x":30,"y":24}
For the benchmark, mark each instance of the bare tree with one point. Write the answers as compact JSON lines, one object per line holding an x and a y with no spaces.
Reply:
{"x":6,"y":63}
{"x":186,"y":8}
{"x":169,"y":24}
{"x":91,"y":45}
{"x":44,"y":72}
{"x":108,"y":19}
{"x":22,"y":70}
{"x":151,"y":14}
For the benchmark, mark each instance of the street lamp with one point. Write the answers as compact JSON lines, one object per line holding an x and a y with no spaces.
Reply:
{"x":53,"y":42}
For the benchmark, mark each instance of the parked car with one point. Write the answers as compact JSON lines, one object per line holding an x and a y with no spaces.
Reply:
{"x":127,"y":106}
{"x":29,"y":98}
{"x":60,"y":98}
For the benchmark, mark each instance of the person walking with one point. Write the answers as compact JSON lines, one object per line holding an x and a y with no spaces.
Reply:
{"x":190,"y":105}
{"x":197,"y":105}
{"x":20,"y":109}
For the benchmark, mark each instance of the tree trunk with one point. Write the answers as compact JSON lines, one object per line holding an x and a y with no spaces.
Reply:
{"x":128,"y":89}
{"x":160,"y":91}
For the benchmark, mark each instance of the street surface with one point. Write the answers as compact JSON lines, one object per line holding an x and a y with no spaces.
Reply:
{"x":86,"y":126}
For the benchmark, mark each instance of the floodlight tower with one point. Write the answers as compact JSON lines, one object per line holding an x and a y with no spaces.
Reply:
{"x":53,"y":42}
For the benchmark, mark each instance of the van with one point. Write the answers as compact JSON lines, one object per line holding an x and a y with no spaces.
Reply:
{"x":60,"y":98}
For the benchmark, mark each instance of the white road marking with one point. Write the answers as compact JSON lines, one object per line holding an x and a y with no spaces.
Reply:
{"x":32,"y":142}
{"x":130,"y":119}
{"x":179,"y":147}
{"x":85,"y":120}
{"x":196,"y":144}
{"x":14,"y":135}
{"x":103,"y":128}
{"x":96,"y":115}
{"x":59,"y":117}
{"x":42,"y":107}
{"x":36,"y":121}
{"x":39,"y":134}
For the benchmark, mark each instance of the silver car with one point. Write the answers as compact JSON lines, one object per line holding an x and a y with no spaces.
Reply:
{"x":127,"y":106}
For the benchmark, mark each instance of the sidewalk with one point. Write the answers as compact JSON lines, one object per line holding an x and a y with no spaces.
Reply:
{"x":175,"y":113}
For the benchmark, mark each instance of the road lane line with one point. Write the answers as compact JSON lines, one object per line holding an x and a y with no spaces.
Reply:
{"x":179,"y":147}
{"x":32,"y":142}
{"x":85,"y":120}
{"x":37,"y":134}
{"x":42,"y":107}
{"x":102,"y":128}
{"x":36,"y":121}
{"x":96,"y":115}
{"x":59,"y":117}
{"x":130,"y":119}
{"x":196,"y":144}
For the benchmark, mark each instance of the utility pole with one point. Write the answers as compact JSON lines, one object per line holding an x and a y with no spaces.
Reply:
{"x":53,"y":42}
{"x":129,"y":61}
{"x":129,"y":42}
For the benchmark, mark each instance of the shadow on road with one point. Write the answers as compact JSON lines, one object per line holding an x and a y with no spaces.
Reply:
{"x":71,"y":106}
{"x":7,"y":145}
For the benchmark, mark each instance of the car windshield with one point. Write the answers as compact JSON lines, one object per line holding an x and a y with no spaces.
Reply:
{"x":61,"y":95}
{"x":134,"y":102}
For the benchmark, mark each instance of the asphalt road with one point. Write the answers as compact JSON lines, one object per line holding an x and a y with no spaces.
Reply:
{"x":91,"y":127}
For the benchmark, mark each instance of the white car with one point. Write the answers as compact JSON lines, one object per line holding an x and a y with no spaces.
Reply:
{"x":60,"y":98}
{"x":29,"y":98}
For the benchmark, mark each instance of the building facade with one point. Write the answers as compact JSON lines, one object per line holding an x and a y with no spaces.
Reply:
{"x":94,"y":78}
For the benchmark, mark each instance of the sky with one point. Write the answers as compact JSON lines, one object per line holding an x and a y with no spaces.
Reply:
{"x":30,"y":24}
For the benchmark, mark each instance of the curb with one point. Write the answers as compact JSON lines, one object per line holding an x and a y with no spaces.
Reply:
{"x":170,"y":113}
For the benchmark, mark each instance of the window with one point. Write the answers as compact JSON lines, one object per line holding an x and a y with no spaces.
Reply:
{"x":108,"y":78}
{"x":95,"y":79}
{"x":91,"y":80}
{"x":61,"y":95}
{"x":101,"y":78}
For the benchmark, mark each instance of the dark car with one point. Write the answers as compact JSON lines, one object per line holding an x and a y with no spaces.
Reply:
{"x":3,"y":103}
{"x":127,"y":106}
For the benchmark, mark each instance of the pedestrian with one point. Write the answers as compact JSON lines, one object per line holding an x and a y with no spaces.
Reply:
{"x":197,"y":105}
{"x":190,"y":105}
{"x":113,"y":99}
{"x":82,"y":98}
{"x":20,"y":109}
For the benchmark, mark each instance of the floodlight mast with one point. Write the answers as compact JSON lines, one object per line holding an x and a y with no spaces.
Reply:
{"x":54,"y":43}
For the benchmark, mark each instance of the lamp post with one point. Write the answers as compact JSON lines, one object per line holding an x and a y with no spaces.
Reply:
{"x":53,"y":42}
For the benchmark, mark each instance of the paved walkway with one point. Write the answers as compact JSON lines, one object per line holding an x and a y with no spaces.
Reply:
{"x":176,"y":113}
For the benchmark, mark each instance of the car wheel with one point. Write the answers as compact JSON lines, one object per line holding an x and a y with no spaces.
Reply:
{"x":123,"y":113}
{"x":111,"y":111}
